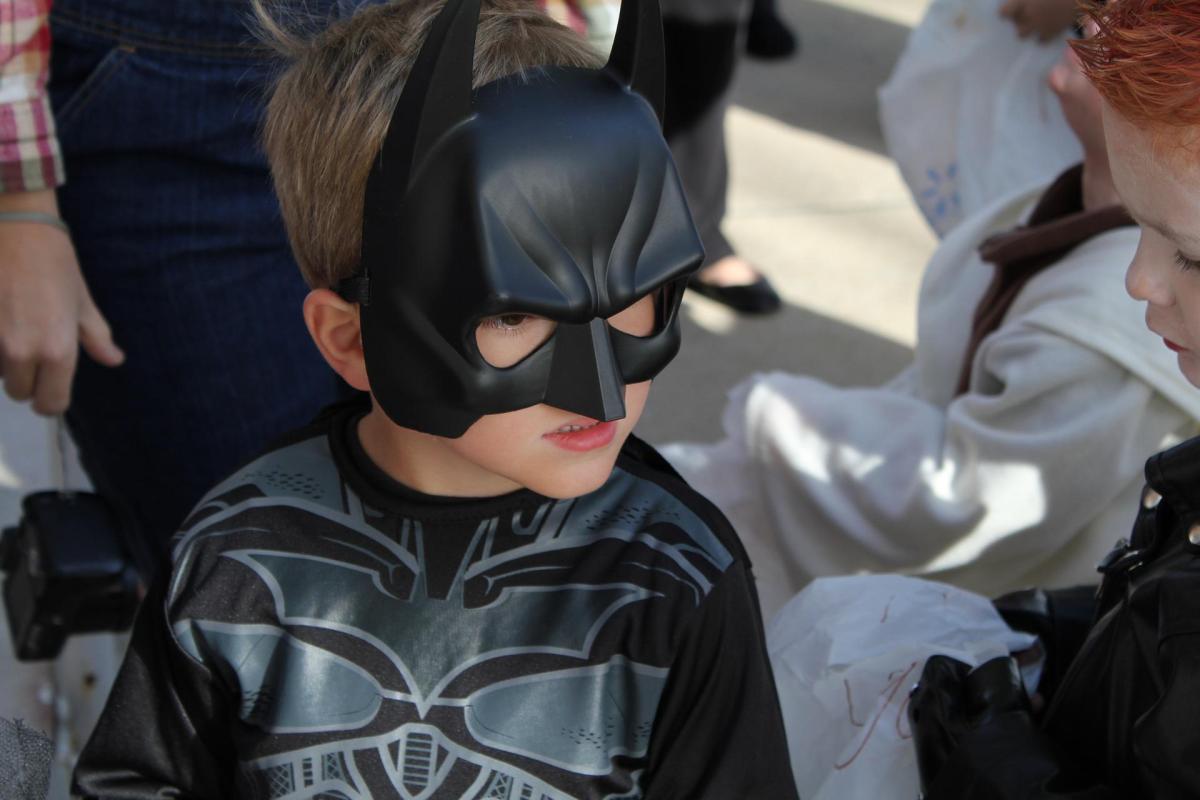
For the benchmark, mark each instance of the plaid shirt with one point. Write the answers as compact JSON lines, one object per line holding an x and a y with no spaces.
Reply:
{"x":29,"y":154}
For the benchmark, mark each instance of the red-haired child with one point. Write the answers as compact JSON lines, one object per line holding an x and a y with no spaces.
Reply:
{"x":1122,"y":721}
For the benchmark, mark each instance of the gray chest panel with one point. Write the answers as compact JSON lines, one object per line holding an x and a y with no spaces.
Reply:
{"x":503,"y":684}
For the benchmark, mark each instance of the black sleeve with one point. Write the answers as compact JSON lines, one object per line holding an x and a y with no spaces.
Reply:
{"x":719,"y":731}
{"x":980,"y":755}
{"x":976,"y":739}
{"x":1007,"y":759}
{"x":1166,"y":738}
{"x":1060,"y":618}
{"x":164,"y":731}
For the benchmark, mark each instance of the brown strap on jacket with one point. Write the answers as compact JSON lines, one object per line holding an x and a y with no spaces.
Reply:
{"x":1057,"y":226}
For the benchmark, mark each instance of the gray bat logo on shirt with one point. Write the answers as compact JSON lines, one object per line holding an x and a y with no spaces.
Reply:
{"x":424,"y":636}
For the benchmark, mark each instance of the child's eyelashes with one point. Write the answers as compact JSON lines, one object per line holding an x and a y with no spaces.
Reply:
{"x":507,"y":339}
{"x":1186,"y":264}
{"x":509,"y":324}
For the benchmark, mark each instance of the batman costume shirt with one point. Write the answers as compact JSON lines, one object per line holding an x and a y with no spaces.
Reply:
{"x":328,"y":633}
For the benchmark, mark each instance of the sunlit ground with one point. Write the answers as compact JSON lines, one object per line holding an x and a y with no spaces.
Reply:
{"x":817,"y":205}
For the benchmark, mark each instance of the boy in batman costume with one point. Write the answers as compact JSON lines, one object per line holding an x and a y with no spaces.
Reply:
{"x":476,"y":585}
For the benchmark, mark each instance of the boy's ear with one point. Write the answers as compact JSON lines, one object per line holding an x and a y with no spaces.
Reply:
{"x":333,"y":324}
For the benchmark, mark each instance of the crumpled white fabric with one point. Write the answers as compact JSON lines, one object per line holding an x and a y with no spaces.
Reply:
{"x":967,"y":114}
{"x":846,"y":653}
{"x":1027,"y":479}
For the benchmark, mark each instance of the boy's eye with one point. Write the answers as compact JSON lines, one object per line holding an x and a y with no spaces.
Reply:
{"x":507,"y":339}
{"x":1186,"y":263}
{"x":507,"y":322}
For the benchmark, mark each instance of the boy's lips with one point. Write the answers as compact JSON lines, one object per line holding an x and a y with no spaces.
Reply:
{"x":583,"y":434}
{"x":1172,"y":346}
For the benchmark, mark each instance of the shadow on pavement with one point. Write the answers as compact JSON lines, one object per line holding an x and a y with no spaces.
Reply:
{"x":830,"y":87}
{"x":688,"y":398}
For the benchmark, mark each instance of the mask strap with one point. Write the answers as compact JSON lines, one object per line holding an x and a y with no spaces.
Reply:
{"x":355,"y":289}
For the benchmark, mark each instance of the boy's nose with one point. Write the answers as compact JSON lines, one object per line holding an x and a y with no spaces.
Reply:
{"x":584,"y":376}
{"x":1144,"y":279}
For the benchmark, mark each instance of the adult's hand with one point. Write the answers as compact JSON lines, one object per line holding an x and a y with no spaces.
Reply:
{"x":46,"y":311}
{"x":1043,"y":18}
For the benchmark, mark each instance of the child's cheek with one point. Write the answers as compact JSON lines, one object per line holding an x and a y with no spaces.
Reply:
{"x":635,"y":402}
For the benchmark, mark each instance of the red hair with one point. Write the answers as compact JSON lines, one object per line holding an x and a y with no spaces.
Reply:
{"x":1145,"y":60}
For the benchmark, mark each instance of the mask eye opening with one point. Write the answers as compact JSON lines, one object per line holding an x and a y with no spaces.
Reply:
{"x":506,"y":340}
{"x":666,"y":299}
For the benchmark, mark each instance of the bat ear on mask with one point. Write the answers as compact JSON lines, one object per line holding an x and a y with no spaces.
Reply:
{"x":436,"y":97}
{"x":638,"y":60}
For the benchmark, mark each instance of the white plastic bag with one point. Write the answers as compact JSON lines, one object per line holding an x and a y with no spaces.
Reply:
{"x":967,"y":114}
{"x":846,"y":653}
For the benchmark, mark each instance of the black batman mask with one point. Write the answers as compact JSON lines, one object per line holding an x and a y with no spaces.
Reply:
{"x":549,"y":194}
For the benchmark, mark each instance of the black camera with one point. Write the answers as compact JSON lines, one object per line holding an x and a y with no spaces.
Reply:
{"x":66,"y":571}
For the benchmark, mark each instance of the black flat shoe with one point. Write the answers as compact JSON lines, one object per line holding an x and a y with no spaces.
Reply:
{"x":768,"y":38}
{"x":749,"y":298}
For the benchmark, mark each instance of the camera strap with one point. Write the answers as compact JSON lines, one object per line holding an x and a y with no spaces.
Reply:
{"x":61,"y":447}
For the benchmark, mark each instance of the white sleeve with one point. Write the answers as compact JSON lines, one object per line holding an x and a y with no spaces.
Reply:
{"x":834,"y":481}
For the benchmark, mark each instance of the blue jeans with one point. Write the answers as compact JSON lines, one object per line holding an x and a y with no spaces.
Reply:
{"x":158,"y":105}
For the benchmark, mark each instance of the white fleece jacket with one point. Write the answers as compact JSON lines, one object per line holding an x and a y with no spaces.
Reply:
{"x":1027,"y":479}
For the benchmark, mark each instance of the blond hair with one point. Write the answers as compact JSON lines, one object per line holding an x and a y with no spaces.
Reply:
{"x":329,"y":110}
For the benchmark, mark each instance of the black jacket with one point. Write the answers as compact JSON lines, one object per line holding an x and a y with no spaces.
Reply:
{"x":1125,"y":720}
{"x":328,"y":632}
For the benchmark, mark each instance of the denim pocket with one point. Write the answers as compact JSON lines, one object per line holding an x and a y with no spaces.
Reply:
{"x":76,"y":82}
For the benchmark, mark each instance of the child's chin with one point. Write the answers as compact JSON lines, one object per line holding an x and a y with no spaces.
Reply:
{"x":573,"y":481}
{"x":1189,"y":365}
